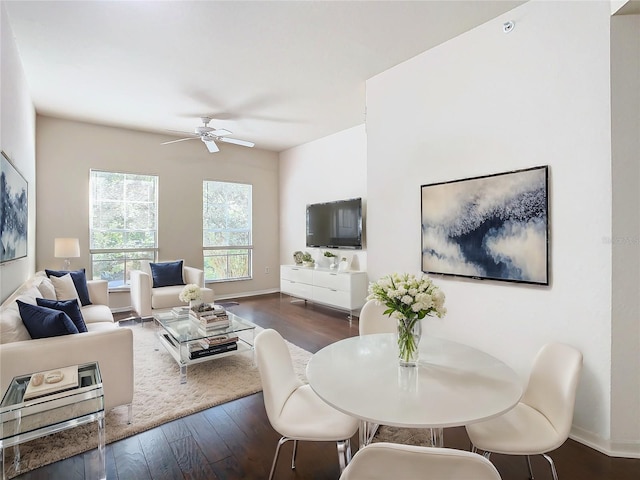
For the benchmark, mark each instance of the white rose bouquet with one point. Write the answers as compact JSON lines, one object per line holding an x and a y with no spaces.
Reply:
{"x":190,"y":292}
{"x":408,"y":298}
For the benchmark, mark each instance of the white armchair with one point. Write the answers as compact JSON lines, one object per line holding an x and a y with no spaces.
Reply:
{"x":145,"y":297}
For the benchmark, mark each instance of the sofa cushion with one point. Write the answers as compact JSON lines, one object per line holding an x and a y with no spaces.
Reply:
{"x":167,"y":274}
{"x":101,"y":326}
{"x":70,"y":307}
{"x":43,"y":322}
{"x":166,"y":297}
{"x":96,"y":314}
{"x":65,"y":288}
{"x":11,"y":327}
{"x":79,"y":280}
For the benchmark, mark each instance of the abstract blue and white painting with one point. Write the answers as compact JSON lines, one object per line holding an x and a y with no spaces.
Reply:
{"x":13,"y":212}
{"x":490,"y":227}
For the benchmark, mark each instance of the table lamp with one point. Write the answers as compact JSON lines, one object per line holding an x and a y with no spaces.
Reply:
{"x":66,"y":248}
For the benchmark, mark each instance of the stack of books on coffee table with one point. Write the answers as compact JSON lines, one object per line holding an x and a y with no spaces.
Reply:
{"x":215,"y":318}
{"x":213,"y":346}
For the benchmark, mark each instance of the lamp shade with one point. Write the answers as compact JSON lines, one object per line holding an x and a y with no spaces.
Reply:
{"x":66,"y":248}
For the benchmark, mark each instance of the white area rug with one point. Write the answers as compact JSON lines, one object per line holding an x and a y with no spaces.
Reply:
{"x":158,"y":398}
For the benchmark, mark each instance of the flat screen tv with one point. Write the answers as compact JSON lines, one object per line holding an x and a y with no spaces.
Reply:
{"x":335,"y":224}
{"x":492,"y":227}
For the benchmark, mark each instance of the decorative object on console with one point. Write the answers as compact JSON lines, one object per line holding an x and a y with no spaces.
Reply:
{"x":408,"y":299}
{"x":331,"y":258}
{"x":343,"y":266}
{"x":14,"y":220}
{"x":297,"y":257}
{"x":66,"y":248}
{"x":491,"y":227}
{"x":307,"y":260}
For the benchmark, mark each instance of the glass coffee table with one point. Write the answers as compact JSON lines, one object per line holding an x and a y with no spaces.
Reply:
{"x":24,"y":420}
{"x":183,"y":338}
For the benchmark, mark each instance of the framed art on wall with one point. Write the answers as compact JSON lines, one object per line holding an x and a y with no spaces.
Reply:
{"x":491,"y":227}
{"x":14,"y":212}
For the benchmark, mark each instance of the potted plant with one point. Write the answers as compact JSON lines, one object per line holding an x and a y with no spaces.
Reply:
{"x":307,"y":260}
{"x":331,"y":258}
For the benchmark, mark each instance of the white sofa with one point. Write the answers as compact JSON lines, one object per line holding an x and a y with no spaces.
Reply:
{"x":104,"y":342}
{"x":145,"y":298}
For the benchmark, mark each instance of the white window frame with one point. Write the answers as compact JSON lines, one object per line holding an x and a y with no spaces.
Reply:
{"x":129,"y":256}
{"x":227,"y":250}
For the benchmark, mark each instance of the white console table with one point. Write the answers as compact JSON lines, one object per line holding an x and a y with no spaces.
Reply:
{"x":343,"y":290}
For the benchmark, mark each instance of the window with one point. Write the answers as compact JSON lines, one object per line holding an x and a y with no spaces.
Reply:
{"x":226,"y":230}
{"x":123,"y":224}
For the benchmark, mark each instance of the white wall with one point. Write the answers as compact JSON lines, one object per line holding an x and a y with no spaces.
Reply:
{"x":328,"y":169}
{"x":17,"y":140}
{"x":488,"y":102}
{"x":67,"y":150}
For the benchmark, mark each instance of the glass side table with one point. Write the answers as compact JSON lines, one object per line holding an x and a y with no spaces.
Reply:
{"x":22,"y":421}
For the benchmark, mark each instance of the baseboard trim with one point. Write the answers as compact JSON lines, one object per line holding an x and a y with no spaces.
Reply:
{"x":247,"y":294}
{"x":609,"y":448}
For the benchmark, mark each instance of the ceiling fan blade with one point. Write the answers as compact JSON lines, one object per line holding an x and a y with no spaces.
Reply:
{"x":221,"y":132}
{"x":180,"y":140}
{"x":211,"y":145}
{"x":235,"y":141}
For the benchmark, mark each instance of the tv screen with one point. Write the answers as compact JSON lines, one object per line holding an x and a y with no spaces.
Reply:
{"x":335,"y":224}
{"x":492,"y":227}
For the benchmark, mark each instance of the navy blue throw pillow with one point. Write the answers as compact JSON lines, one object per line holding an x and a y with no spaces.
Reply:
{"x":43,"y":322}
{"x":166,"y":274}
{"x":70,"y":307}
{"x":79,"y":280}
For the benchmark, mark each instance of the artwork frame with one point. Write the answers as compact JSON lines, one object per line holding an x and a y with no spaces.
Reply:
{"x":491,"y":227}
{"x":14,"y":213}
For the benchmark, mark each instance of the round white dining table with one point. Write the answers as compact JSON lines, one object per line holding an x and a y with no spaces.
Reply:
{"x":453,"y":385}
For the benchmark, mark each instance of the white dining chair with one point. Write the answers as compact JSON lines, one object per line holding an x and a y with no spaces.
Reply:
{"x":293,"y":409}
{"x":373,"y":320}
{"x":541,"y":421}
{"x":384,"y":461}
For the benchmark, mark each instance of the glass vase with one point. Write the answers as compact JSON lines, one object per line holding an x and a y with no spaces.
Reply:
{"x":409,"y":333}
{"x":195,"y":304}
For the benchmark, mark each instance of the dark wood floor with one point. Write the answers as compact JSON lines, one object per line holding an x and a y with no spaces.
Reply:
{"x":236,"y":441}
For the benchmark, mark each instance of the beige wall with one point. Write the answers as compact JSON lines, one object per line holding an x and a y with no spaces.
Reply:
{"x":67,"y":150}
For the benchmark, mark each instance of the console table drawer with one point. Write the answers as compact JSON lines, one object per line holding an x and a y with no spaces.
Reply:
{"x":336,"y":281}
{"x":297,"y":274}
{"x":330,"y":296}
{"x":303,"y":290}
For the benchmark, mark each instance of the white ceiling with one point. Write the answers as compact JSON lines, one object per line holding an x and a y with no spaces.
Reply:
{"x":276,"y":73}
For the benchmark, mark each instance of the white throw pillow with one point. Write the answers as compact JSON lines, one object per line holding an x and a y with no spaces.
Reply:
{"x":64,"y":287}
{"x":47,"y":289}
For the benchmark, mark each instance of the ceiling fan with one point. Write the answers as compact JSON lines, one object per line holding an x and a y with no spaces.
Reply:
{"x":210,"y":135}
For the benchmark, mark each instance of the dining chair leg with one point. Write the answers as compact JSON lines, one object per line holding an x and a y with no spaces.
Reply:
{"x":281,"y":442}
{"x":553,"y":466}
{"x":529,"y":467}
{"x":436,"y":437}
{"x":367,"y":431}
{"x":293,"y":455}
{"x":344,"y":453}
